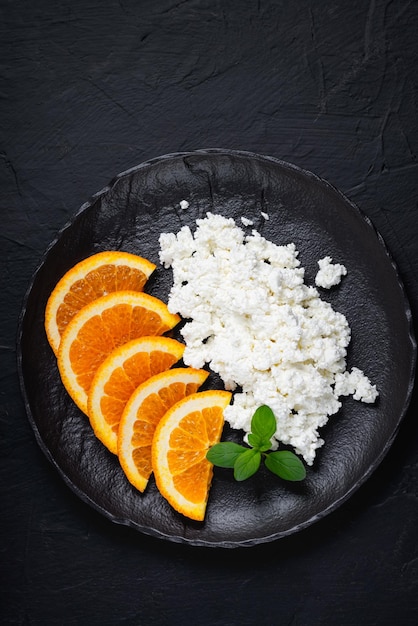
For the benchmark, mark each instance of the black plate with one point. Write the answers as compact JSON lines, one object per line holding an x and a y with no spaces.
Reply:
{"x":129,"y":215}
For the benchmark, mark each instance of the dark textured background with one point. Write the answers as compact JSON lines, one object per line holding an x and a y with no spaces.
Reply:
{"x":92,"y":88}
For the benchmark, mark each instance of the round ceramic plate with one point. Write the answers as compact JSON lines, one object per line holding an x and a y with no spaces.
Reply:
{"x":129,"y":215}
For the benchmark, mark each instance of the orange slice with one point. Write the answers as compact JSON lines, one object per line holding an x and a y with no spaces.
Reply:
{"x":100,"y":327}
{"x":182,"y":438}
{"x":119,"y":375}
{"x":147,"y":405}
{"x":90,"y":279}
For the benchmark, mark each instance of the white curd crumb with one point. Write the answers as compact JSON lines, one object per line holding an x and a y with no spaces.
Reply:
{"x":265,"y":215}
{"x":329,"y":273}
{"x":184,"y":204}
{"x":356,"y":384}
{"x":246,"y":221}
{"x":253,"y":320}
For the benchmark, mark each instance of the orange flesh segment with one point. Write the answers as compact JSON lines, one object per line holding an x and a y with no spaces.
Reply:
{"x":189,"y":443}
{"x":95,"y":284}
{"x":126,"y":379}
{"x":101,"y":334}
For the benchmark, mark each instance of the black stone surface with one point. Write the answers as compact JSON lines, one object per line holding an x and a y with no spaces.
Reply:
{"x":91,"y":89}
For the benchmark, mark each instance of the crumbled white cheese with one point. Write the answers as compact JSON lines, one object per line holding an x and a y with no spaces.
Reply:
{"x":269,"y":336}
{"x":329,"y":273}
{"x":246,"y":222}
{"x":265,"y":215}
{"x":184,"y":204}
{"x":356,"y":384}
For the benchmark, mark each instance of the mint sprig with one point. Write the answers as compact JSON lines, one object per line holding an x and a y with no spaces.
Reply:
{"x":246,"y":461}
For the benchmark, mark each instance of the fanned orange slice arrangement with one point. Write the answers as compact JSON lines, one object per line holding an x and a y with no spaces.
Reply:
{"x":100,"y":327}
{"x":119,"y":375}
{"x":90,"y":279}
{"x":181,"y":440}
{"x":147,"y":405}
{"x":115,"y":364}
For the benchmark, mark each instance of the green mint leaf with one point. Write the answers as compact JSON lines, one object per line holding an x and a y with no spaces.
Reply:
{"x":225,"y":453}
{"x":286,"y":465}
{"x":256,"y":442}
{"x":247,"y":464}
{"x":263,"y":424}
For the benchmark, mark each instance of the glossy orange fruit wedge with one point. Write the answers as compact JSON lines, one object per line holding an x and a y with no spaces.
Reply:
{"x":101,"y":326}
{"x":95,"y":276}
{"x":144,"y":410}
{"x":119,"y":375}
{"x":181,"y":440}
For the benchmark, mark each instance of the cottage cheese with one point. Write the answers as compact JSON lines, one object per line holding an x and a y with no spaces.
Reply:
{"x":252,"y":319}
{"x":329,"y":273}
